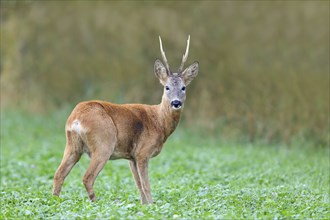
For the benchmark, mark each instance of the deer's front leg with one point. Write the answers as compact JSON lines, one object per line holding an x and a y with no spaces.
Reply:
{"x":142,"y":168}
{"x":136,"y":176}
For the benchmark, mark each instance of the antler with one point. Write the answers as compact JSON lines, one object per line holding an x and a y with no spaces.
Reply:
{"x":163,"y":55}
{"x":185,"y":56}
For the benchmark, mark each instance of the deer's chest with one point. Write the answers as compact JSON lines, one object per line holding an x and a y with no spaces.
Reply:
{"x":156,"y":151}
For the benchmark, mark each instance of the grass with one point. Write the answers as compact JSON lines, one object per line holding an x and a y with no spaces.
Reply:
{"x":193,"y":178}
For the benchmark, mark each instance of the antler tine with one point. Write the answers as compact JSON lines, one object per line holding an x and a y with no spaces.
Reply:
{"x":163,"y":55}
{"x":185,"y":56}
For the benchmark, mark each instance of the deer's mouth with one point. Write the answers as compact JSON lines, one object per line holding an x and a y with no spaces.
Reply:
{"x":176,"y":104}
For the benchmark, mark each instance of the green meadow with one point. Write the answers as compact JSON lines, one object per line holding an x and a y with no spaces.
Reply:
{"x":193,"y":178}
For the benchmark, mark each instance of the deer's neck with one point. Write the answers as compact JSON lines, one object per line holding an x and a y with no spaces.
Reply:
{"x":169,"y":118}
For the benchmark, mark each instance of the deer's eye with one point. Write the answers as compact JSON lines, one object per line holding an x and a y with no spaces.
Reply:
{"x":167,"y":88}
{"x":183,"y":88}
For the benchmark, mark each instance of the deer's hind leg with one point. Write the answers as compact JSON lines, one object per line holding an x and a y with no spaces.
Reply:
{"x":72,"y":154}
{"x":101,"y":141}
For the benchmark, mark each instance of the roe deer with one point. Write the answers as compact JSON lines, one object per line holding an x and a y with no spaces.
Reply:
{"x":136,"y":132}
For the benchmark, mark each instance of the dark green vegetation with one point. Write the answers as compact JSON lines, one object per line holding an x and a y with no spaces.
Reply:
{"x":263,"y":64}
{"x":193,"y":178}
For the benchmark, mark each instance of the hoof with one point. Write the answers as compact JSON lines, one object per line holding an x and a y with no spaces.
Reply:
{"x":92,"y":197}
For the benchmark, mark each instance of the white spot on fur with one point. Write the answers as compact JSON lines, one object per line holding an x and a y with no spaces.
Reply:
{"x":76,"y":126}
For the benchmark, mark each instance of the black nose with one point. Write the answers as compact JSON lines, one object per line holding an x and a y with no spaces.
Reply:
{"x":176,"y":103}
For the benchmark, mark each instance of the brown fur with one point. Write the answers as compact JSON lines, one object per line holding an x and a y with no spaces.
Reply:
{"x":110,"y":131}
{"x":136,"y":132}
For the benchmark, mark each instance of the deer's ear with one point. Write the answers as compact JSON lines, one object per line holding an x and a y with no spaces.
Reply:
{"x":160,"y":71}
{"x":190,"y":73}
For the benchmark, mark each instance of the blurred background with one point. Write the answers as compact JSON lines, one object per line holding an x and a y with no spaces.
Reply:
{"x":264,"y":66}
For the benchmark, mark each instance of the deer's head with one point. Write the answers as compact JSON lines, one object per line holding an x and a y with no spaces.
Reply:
{"x":175,"y":82}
